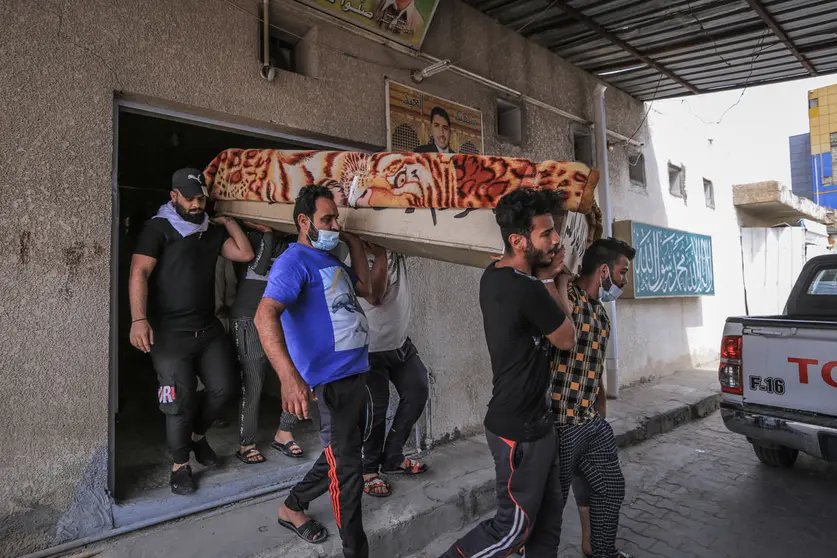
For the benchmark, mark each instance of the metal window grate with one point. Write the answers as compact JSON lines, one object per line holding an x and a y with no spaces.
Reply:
{"x":469,"y":148}
{"x":405,"y":138}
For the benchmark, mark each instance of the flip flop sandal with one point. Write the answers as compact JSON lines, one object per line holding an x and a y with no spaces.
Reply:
{"x":251,"y":457}
{"x":288,"y":449}
{"x":370,"y":486}
{"x":412,"y":468}
{"x":312,"y":531}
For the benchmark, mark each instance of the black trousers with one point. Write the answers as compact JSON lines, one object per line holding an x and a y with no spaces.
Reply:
{"x":179,"y":358}
{"x":253,"y":364}
{"x":529,"y":503}
{"x":338,"y":471}
{"x":591,"y":449}
{"x":407,"y":372}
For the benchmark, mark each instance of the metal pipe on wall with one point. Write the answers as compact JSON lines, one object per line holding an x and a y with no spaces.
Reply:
{"x":268,"y":72}
{"x":600,"y":119}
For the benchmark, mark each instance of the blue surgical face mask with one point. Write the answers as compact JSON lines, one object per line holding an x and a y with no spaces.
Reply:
{"x":611,"y":293}
{"x":326,"y":239}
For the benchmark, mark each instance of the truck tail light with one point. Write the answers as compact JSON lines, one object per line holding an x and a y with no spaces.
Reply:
{"x":730,"y":372}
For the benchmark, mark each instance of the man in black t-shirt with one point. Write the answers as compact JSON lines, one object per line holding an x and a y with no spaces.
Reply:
{"x":521,"y":317}
{"x":177,"y":252}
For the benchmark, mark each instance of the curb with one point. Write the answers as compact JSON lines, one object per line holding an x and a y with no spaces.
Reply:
{"x":649,"y":427}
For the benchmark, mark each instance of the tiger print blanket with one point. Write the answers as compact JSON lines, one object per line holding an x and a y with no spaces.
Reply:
{"x":412,"y":180}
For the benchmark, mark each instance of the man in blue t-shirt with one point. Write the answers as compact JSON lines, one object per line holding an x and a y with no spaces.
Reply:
{"x":316,"y":336}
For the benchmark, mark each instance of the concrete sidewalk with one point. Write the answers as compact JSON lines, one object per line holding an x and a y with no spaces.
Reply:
{"x":458,"y":490}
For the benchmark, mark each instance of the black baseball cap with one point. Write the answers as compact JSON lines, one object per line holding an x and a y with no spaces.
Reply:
{"x":189,"y":182}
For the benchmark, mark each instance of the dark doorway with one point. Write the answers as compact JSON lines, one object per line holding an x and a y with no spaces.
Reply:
{"x":149,"y":150}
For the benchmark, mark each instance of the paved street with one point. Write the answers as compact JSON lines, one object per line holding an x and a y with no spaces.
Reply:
{"x":700,"y":491}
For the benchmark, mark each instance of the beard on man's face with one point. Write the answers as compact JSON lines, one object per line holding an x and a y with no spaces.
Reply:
{"x":193,"y":216}
{"x":538,"y":258}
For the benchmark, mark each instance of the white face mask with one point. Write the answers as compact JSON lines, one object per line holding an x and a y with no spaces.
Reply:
{"x":326,"y":239}
{"x":611,"y":293}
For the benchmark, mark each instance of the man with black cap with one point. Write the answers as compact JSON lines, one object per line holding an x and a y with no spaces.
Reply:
{"x":177,"y":251}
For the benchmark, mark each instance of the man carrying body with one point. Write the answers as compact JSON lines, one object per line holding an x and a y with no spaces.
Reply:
{"x":586,"y":441}
{"x":181,"y":247}
{"x":392,"y":358}
{"x":521,"y":317}
{"x":315,"y":335}
{"x":440,"y":133}
{"x":252,"y":280}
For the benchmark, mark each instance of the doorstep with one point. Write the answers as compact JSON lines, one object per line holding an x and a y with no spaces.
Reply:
{"x":456,"y":492}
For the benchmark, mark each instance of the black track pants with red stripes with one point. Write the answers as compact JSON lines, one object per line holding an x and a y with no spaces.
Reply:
{"x":529,"y":503}
{"x":339,"y":470}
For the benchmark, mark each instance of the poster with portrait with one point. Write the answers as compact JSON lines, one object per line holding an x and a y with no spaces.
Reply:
{"x":422,"y":123}
{"x":402,"y":21}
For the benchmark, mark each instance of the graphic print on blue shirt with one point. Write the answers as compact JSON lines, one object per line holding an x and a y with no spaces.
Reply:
{"x":351,"y":330}
{"x":325,"y":328}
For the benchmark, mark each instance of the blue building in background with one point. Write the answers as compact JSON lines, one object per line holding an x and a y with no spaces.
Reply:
{"x":802,"y":182}
{"x":811,"y":174}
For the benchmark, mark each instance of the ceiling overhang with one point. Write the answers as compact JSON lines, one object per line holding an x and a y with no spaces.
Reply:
{"x":671,"y":48}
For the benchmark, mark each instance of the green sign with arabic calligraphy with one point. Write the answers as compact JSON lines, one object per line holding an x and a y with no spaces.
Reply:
{"x":668,"y":263}
{"x":403,"y":21}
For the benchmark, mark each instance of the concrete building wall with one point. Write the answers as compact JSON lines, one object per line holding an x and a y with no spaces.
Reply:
{"x":63,"y":61}
{"x":680,"y":332}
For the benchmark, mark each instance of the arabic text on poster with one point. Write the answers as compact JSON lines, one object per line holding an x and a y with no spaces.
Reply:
{"x":671,"y":262}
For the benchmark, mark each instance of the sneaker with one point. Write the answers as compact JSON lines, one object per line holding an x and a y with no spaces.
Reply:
{"x":182,"y":482}
{"x":203,"y":453}
{"x":622,"y":554}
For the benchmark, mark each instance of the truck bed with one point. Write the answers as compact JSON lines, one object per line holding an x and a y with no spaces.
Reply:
{"x":788,"y":363}
{"x":811,"y":322}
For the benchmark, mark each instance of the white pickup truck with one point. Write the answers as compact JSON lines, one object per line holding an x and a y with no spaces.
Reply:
{"x":778,"y":374}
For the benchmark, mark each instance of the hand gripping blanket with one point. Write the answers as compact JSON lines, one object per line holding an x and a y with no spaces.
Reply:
{"x":412,"y":180}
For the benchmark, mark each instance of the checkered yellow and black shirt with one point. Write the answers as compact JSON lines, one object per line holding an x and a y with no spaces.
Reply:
{"x":576,"y":373}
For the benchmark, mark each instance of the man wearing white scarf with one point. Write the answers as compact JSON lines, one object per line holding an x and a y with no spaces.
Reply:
{"x":177,"y":252}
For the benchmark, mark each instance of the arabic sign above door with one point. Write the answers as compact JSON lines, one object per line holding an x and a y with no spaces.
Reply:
{"x":422,"y":123}
{"x":403,"y":21}
{"x":668,"y":263}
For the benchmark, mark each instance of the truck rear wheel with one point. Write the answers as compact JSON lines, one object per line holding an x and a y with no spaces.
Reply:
{"x":776,"y":457}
